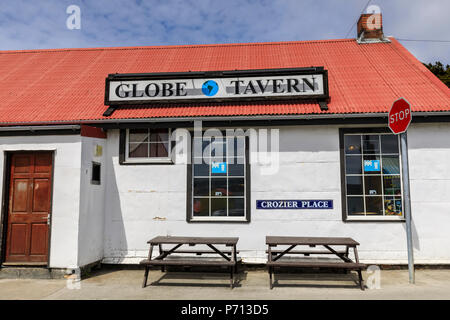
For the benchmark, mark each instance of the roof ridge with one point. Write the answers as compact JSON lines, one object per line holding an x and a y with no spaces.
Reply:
{"x":183,"y":46}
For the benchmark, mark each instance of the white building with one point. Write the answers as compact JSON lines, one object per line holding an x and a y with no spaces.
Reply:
{"x":84,"y":182}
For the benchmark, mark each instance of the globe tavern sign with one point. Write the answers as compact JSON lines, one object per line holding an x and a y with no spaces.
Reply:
{"x":282,"y":84}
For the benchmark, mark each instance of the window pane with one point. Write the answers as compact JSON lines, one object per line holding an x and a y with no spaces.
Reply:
{"x":201,"y":207}
{"x":240,"y":145}
{"x":206,"y":148}
{"x":236,"y":160}
{"x":159,"y":135}
{"x":201,"y":170}
{"x":203,"y":160}
{"x":392,"y":185}
{"x":159,"y":149}
{"x":353,"y":164}
{"x":138,"y":150}
{"x":393,"y":206}
{"x":352,"y":144}
{"x":235,"y":147}
{"x":391,"y":165}
{"x":218,"y":149}
{"x":201,"y":148}
{"x":218,"y":187}
{"x":201,"y":187}
{"x":198,"y":145}
{"x":389,"y":143}
{"x":371,"y":144}
{"x":374,"y":205}
{"x":218,"y":207}
{"x":163,"y":149}
{"x":236,"y":207}
{"x":231,"y":147}
{"x":372,"y":164}
{"x":355,"y":205}
{"x":354,"y":185}
{"x":235,"y":187}
{"x":138,"y":135}
{"x":236,"y":169}
{"x":373,"y":185}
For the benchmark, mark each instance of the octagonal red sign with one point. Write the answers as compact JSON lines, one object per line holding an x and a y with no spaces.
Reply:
{"x":399,"y":116}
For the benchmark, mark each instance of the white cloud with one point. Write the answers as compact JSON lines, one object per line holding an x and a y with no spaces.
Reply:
{"x":26,"y":24}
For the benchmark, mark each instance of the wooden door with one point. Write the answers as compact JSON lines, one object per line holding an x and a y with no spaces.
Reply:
{"x":29,"y":207}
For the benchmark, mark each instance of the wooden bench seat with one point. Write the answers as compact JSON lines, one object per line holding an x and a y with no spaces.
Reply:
{"x":187,"y":262}
{"x":306,"y":252}
{"x":315,"y":264}
{"x":200,"y":252}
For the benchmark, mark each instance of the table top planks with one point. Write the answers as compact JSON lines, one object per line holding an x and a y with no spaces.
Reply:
{"x":331,"y":241}
{"x":229,"y":241}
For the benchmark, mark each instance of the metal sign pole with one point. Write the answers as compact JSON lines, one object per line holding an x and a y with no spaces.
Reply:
{"x":407,"y":204}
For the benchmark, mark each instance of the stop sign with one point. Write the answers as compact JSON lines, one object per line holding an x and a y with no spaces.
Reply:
{"x":399,"y":116}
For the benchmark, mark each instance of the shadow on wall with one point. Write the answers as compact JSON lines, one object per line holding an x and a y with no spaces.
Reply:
{"x":415,"y":235}
{"x":115,"y":236}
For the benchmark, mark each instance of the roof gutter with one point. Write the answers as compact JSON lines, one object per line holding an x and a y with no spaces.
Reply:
{"x":40,"y":128}
{"x":64,"y":124}
{"x":268,"y":117}
{"x":243,"y":118}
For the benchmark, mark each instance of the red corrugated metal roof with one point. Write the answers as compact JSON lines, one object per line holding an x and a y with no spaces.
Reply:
{"x":68,"y":85}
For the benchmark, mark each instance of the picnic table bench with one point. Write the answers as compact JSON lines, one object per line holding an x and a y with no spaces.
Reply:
{"x":345,"y":262}
{"x":229,"y":256}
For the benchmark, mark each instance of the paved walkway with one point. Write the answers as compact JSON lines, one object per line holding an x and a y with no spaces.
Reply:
{"x":126,"y":284}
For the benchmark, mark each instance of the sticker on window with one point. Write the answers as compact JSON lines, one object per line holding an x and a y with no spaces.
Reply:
{"x":219,"y":167}
{"x":371,"y":165}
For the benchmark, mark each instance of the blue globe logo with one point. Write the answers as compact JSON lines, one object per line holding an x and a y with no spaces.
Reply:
{"x":210,"y":88}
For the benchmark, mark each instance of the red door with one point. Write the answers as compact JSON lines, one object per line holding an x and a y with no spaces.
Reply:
{"x":30,"y":194}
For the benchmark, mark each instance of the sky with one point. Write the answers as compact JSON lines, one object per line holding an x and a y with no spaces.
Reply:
{"x":40,"y":24}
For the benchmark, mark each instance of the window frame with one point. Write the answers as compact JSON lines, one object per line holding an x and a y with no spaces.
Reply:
{"x":124,"y":144}
{"x":219,"y":219}
{"x":366,"y":218}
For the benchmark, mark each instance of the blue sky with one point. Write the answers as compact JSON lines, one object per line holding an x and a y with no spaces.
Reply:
{"x":42,"y":23}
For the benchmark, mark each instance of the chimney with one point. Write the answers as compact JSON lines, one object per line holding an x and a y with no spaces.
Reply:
{"x":370,"y":28}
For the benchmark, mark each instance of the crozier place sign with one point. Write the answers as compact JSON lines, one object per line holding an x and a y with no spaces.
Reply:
{"x":294,"y":204}
{"x":298,"y":83}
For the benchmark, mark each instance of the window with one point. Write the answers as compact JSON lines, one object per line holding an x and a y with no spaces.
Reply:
{"x":146,"y":145}
{"x":96,"y":170}
{"x":371,"y":175}
{"x":219,"y":179}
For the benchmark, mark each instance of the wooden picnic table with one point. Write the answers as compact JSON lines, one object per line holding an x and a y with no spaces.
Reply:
{"x":274,"y":256}
{"x":228,"y":253}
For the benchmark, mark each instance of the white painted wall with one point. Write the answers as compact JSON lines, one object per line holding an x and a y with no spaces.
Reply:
{"x":66,"y":191}
{"x":92,"y":200}
{"x":429,"y":146}
{"x":143,"y":201}
{"x":137,"y":198}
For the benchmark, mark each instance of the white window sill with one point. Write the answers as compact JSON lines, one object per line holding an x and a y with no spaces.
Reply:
{"x":148,"y":161}
{"x":218,"y":219}
{"x":374,"y":219}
